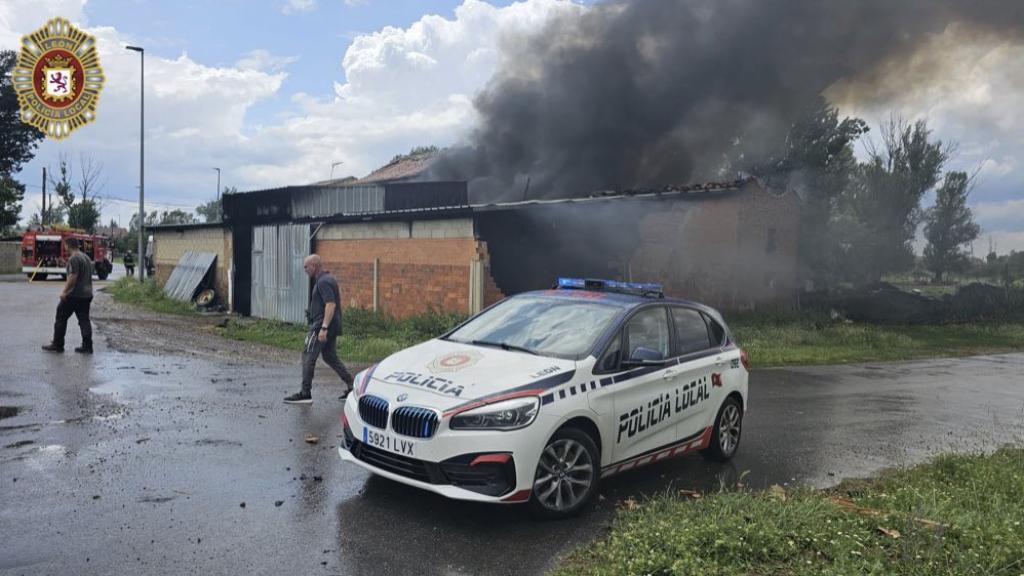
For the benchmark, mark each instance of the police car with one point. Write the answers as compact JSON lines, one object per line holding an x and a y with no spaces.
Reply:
{"x":541,"y":395}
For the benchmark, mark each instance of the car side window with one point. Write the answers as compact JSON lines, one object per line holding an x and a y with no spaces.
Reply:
{"x":691,"y":331}
{"x":716,"y":330}
{"x":648,"y":329}
{"x":612,"y":357}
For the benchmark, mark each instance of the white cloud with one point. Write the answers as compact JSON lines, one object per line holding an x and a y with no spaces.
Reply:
{"x":353,"y":3}
{"x":293,"y":6}
{"x":264,"y":61}
{"x":1004,"y":241}
{"x":402,"y":88}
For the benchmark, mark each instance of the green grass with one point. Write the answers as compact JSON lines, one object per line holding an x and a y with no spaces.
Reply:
{"x":975,"y":504}
{"x":148,"y":295}
{"x":366,"y":336}
{"x":771,"y":339}
{"x":792,"y":339}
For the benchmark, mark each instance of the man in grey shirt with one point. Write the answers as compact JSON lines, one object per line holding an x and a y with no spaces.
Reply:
{"x":324,"y":328}
{"x":75,"y":298}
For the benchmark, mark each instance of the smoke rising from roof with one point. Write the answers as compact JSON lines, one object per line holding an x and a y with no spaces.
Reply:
{"x":652,"y":92}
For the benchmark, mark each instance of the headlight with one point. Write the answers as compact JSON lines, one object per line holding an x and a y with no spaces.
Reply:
{"x":507,"y":415}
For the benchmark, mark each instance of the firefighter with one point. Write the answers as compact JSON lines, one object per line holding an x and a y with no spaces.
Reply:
{"x":129,"y":263}
{"x":75,"y":298}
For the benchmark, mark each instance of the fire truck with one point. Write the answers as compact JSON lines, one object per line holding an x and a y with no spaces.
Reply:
{"x":43,"y":252}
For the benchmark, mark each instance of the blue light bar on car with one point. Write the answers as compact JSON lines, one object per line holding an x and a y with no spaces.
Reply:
{"x":598,"y":285}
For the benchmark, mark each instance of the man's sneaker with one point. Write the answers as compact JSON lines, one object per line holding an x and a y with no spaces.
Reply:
{"x":84,"y":349}
{"x":299,"y":398}
{"x":53,"y":348}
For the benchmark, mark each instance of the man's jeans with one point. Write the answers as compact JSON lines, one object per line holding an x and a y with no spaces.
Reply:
{"x":313,"y":349}
{"x":80,"y":308}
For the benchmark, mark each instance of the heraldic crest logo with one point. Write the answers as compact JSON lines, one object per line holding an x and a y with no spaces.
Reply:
{"x":58,"y":78}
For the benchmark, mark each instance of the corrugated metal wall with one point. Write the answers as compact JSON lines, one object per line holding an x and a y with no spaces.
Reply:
{"x":325,"y":202}
{"x":280,"y":287}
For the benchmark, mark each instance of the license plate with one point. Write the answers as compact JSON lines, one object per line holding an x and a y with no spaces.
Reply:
{"x":389,"y":443}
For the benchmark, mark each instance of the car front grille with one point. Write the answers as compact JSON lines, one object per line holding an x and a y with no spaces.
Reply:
{"x":414,"y":421}
{"x":374,"y":411}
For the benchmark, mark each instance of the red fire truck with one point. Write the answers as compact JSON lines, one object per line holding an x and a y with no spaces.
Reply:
{"x":43,"y":252}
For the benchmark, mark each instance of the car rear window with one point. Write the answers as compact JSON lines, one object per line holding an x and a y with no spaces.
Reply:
{"x":691,"y":331}
{"x":556,"y":327}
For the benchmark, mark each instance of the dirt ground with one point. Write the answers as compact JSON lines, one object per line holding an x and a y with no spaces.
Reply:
{"x":130,"y":328}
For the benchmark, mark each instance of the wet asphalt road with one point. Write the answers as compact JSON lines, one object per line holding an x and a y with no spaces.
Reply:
{"x":126,"y":463}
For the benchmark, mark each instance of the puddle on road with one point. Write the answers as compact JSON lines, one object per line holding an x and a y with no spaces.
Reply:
{"x":9,"y":411}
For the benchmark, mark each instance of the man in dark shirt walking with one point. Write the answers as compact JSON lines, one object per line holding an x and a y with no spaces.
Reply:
{"x":324,"y":328}
{"x":75,"y":298}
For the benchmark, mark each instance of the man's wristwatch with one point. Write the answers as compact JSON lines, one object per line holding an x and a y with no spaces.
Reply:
{"x":323,"y":327}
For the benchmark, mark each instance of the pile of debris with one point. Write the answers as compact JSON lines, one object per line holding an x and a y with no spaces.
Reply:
{"x":884,"y":303}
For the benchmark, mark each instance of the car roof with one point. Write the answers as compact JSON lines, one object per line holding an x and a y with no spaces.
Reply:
{"x":620,"y":299}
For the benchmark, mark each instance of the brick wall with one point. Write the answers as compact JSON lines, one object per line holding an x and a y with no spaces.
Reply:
{"x":733,"y":251}
{"x":422,"y":265}
{"x":170,"y":245}
{"x":10,"y":257}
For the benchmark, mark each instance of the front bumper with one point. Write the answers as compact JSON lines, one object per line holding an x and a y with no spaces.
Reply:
{"x":482,"y":466}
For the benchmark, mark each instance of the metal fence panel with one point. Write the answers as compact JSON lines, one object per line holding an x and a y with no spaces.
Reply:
{"x":188,"y":274}
{"x":323,"y":202}
{"x":280,"y":287}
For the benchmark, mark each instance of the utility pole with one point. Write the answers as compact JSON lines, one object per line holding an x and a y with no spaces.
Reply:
{"x":142,"y":155}
{"x":42,"y":217}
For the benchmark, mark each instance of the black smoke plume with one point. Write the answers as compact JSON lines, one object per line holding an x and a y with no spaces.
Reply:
{"x":646,"y":93}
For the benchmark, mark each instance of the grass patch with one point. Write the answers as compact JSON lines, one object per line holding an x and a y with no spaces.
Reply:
{"x":366,"y":336}
{"x":784,"y":339}
{"x":148,"y":295}
{"x":975,"y":502}
{"x":770,"y":338}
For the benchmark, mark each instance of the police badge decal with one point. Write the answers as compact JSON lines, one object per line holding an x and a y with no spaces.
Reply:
{"x":58,"y":78}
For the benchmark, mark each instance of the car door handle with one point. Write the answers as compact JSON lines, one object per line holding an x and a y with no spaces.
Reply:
{"x":720,"y":362}
{"x":668,"y":374}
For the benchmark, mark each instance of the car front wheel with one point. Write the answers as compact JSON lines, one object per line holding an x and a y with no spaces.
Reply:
{"x":725,"y":437}
{"x":567,"y":475}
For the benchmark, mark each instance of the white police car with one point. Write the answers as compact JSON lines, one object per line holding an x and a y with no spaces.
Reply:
{"x":541,"y":395}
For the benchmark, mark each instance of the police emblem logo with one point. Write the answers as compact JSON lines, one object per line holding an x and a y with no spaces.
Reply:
{"x":58,"y":78}
{"x":454,"y":361}
{"x":402,"y":397}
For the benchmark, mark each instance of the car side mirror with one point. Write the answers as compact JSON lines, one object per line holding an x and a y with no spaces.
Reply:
{"x":644,"y":356}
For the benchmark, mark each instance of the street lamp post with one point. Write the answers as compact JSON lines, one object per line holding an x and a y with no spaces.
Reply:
{"x":142,"y":156}
{"x":332,"y":168}
{"x":218,"y":184}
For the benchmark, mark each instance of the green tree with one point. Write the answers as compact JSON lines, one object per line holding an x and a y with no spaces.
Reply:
{"x":175,"y":216}
{"x":949,"y":225}
{"x":881,"y":210}
{"x":18,"y":142}
{"x":212,"y":211}
{"x":12,"y":193}
{"x":817,"y":161}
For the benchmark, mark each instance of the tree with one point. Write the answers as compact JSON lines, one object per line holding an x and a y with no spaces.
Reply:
{"x":12,"y":193}
{"x":175,"y":216}
{"x":212,"y":211}
{"x":948,"y":226}
{"x":882,"y":208}
{"x":83,"y":210}
{"x":17,"y":144}
{"x":817,"y":161}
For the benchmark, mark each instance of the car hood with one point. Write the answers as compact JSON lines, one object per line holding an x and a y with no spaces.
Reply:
{"x":446,"y":375}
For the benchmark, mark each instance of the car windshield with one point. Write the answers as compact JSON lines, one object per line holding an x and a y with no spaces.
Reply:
{"x":541,"y":325}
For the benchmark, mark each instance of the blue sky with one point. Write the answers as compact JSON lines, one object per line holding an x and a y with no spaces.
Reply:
{"x":275,"y":91}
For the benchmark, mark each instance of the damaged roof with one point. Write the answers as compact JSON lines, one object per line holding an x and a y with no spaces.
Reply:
{"x":401,"y":168}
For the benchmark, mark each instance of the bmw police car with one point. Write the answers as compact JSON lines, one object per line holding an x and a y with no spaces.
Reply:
{"x":541,"y":395}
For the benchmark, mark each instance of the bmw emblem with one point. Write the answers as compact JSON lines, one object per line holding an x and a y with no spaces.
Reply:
{"x":402,"y":397}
